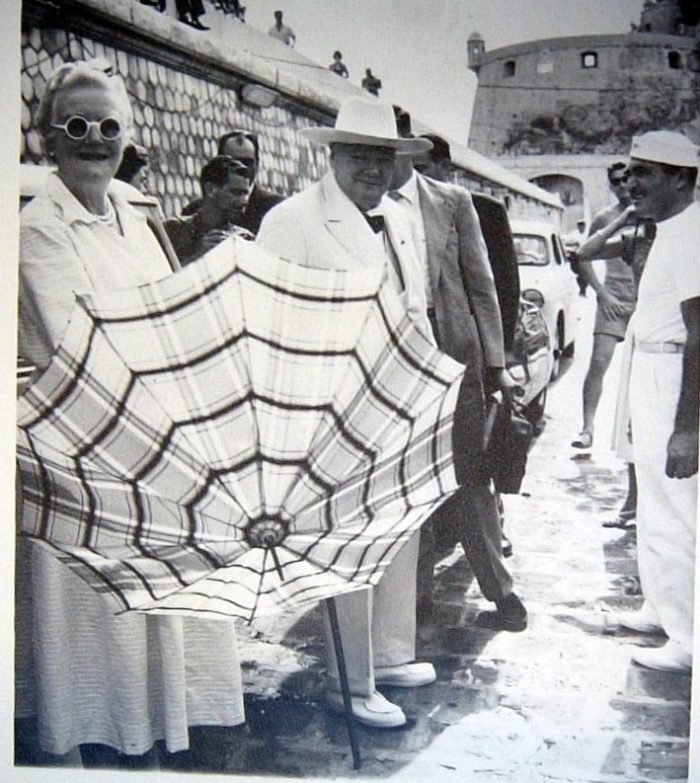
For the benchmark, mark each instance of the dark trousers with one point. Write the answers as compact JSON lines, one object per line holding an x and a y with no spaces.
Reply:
{"x":193,"y":7}
{"x":471,"y":515}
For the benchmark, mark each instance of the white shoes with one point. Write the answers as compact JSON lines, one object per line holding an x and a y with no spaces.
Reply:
{"x":376,"y":710}
{"x":643,"y":621}
{"x":671,"y":657}
{"x":373,"y":710}
{"x":406,"y":675}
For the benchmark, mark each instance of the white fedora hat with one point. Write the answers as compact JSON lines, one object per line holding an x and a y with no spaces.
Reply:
{"x":668,"y":147}
{"x":363,"y":121}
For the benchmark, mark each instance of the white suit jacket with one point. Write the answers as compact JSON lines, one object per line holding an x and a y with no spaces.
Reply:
{"x":321,"y":227}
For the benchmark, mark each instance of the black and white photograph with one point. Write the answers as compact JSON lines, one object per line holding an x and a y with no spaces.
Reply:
{"x":351,"y":390}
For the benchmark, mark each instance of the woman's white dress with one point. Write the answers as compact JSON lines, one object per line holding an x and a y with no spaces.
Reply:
{"x":90,"y":676}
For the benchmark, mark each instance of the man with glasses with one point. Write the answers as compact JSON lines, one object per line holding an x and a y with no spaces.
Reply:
{"x":616,"y":297}
{"x":243,"y":146}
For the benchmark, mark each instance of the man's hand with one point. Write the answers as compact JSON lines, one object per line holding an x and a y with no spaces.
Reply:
{"x":682,"y":454}
{"x":682,"y":450}
{"x":501,"y":379}
{"x":213,"y":237}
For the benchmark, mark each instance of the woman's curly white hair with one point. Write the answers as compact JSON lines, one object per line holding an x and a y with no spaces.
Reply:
{"x":81,"y":73}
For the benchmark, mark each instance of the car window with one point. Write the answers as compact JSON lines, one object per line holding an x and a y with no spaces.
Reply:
{"x":531,"y":250}
{"x":562,"y":249}
{"x":555,"y":245}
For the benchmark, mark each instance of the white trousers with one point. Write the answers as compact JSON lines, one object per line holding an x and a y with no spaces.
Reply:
{"x":666,"y":507}
{"x":377,"y":625}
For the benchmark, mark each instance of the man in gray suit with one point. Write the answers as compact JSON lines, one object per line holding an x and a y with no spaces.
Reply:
{"x":465,"y":317}
{"x":343,"y":221}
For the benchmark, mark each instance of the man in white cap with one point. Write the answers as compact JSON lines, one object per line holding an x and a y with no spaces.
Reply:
{"x":664,"y":393}
{"x":343,"y":221}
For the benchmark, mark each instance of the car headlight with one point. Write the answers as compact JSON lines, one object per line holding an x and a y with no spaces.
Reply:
{"x":533,"y":296}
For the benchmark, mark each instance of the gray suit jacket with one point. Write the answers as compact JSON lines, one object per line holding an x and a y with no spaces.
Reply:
{"x":466,"y":306}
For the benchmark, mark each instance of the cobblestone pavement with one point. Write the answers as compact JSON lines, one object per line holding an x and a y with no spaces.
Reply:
{"x":558,"y":702}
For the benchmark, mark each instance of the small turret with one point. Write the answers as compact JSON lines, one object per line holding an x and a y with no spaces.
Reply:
{"x":475,"y":51}
{"x":669,"y":17}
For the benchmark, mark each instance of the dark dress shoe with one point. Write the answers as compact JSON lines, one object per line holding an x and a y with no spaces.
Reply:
{"x":198,"y":25}
{"x":510,"y":615}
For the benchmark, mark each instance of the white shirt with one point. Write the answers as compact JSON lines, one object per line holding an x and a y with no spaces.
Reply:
{"x":409,"y":200}
{"x":671,"y":276}
{"x":66,"y":250}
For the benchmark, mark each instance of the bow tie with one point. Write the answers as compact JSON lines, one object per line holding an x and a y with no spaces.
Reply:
{"x":376,"y":222}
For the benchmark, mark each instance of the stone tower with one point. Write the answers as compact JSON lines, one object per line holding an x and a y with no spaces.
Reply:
{"x":558,"y":111}
{"x":590,"y":94}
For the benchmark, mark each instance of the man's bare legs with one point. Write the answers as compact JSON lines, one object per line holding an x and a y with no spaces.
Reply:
{"x":626,"y":515}
{"x":601,"y":356}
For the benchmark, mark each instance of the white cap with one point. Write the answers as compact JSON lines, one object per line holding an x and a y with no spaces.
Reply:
{"x":668,"y":147}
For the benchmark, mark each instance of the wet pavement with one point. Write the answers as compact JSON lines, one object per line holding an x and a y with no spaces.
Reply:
{"x":560,"y":701}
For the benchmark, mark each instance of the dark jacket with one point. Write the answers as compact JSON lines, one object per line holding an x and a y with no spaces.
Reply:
{"x":259,"y":203}
{"x":495,"y":228}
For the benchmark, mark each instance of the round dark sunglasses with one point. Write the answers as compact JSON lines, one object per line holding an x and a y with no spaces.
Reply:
{"x":77,"y":128}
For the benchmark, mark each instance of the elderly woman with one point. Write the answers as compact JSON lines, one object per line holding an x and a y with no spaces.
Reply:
{"x":127,"y":681}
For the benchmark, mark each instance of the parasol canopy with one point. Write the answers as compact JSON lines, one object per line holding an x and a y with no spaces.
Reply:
{"x":243,"y":437}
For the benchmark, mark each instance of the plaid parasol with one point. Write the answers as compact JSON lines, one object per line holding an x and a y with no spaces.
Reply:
{"x":241,"y":438}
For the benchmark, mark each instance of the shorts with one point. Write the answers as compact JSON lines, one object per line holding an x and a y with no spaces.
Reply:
{"x":619,"y":282}
{"x":615,"y":326}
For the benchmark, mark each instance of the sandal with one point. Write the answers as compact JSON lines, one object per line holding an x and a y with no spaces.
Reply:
{"x":584,"y":440}
{"x":625,"y":520}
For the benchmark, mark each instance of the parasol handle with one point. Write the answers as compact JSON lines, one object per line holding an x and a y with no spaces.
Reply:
{"x":268,"y":539}
{"x":344,"y":687}
{"x":275,"y":560}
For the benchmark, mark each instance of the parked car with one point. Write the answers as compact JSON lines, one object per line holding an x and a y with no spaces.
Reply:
{"x":528,"y":343}
{"x":531,"y":359}
{"x":33,"y":181}
{"x":547,"y":281}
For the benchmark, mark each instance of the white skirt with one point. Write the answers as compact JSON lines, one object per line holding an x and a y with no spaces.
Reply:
{"x":124,"y":681}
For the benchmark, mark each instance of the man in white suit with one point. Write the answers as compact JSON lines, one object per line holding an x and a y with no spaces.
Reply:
{"x":343,"y":221}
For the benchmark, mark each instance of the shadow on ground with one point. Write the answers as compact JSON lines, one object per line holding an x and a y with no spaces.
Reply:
{"x":290,"y":732}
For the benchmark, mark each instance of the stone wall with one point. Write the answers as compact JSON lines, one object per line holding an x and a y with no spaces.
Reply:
{"x":588,"y":170}
{"x":178,"y":117}
{"x":186,"y":89}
